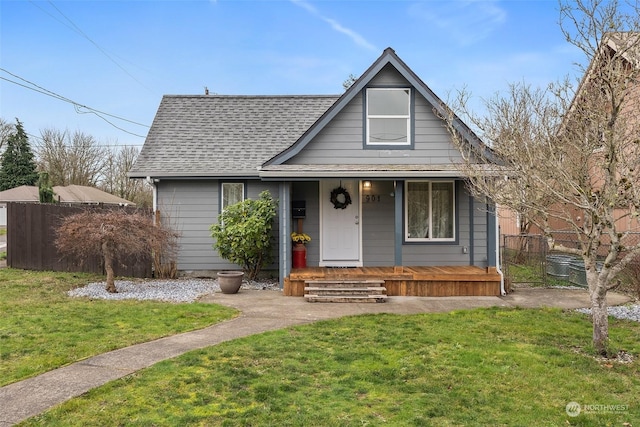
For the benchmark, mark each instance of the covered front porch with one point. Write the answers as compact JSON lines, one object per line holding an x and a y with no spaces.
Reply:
{"x":406,"y":281}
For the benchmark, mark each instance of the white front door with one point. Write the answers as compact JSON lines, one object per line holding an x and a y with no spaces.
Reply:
{"x":340,"y":229}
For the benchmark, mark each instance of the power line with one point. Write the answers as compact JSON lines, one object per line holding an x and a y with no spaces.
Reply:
{"x":78,"y":106}
{"x":63,"y":98}
{"x":73,"y":27}
{"x":40,"y":141}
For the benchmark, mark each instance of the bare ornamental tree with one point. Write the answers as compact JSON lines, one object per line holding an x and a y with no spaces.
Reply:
{"x":570,"y":153}
{"x":114,"y":234}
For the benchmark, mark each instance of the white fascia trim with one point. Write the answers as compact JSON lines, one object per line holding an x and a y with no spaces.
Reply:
{"x":292,"y":175}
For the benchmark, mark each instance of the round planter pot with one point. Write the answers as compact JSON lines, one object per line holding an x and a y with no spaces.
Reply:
{"x":230,"y":281}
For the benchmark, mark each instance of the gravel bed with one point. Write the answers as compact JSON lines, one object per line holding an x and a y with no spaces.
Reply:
{"x":582,"y":288}
{"x":628,"y":312}
{"x":177,"y":290}
{"x":189,"y":290}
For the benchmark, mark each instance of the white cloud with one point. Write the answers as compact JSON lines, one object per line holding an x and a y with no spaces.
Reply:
{"x":466,"y":22}
{"x":335,"y":25}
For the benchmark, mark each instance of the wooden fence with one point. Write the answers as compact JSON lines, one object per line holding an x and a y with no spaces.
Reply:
{"x":31,"y":233}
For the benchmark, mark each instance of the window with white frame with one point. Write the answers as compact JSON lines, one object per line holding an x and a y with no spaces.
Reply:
{"x":232,"y":193}
{"x":388,"y":116}
{"x":430,"y":211}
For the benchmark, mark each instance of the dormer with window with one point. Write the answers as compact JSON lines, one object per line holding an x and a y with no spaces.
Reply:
{"x":388,"y":118}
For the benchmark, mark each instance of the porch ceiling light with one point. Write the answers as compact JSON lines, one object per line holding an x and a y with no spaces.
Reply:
{"x":366,"y":185}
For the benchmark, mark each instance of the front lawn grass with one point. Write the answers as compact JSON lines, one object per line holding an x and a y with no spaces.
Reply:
{"x":533,"y":276}
{"x":41,"y":328}
{"x":493,"y":366}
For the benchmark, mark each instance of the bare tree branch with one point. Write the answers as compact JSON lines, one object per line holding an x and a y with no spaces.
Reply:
{"x":572,"y":157}
{"x":71,"y":158}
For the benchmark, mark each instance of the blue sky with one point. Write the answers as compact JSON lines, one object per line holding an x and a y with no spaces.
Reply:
{"x":120,"y":57}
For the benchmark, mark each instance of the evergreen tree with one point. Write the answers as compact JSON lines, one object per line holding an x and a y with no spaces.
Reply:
{"x":17,"y":164}
{"x":44,"y":188}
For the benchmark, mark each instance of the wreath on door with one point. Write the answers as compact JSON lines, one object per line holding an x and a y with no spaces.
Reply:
{"x":340,"y":198}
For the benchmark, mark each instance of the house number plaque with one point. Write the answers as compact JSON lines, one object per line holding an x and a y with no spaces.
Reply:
{"x":372,"y":198}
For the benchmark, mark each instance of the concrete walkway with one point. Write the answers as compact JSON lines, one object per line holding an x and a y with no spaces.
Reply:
{"x":260,"y":311}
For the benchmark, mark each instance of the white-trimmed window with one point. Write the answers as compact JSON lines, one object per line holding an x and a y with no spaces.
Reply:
{"x":232,"y":193}
{"x":388,"y":116}
{"x":430,"y":211}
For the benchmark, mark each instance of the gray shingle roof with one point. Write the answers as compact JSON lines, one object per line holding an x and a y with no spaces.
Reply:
{"x":223,"y":135}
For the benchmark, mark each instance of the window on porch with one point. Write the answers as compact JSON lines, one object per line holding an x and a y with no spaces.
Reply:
{"x":430,"y":211}
{"x":232,"y":193}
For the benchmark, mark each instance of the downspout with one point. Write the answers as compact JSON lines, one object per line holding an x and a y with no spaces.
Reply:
{"x":493,"y":252}
{"x":472,"y":232}
{"x":503,"y":292}
{"x":154,"y":194}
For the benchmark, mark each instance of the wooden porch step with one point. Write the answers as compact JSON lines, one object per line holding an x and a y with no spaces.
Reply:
{"x":370,"y":290}
{"x":338,"y":290}
{"x":339,"y":283}
{"x":346,"y":298}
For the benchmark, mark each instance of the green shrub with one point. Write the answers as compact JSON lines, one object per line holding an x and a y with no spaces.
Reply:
{"x":243,"y":233}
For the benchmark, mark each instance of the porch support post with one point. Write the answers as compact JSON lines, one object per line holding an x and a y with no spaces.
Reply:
{"x":284,"y":242}
{"x":399,"y":233}
{"x":472,"y":232}
{"x":492,"y":250}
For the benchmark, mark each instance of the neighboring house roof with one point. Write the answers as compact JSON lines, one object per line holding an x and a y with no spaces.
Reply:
{"x":69,"y":194}
{"x":185,"y":141}
{"x":24,"y":193}
{"x":625,"y":46}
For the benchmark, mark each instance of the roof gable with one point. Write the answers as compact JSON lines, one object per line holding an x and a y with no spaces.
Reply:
{"x":614,"y":48}
{"x":387,"y":58}
{"x":226,"y":136}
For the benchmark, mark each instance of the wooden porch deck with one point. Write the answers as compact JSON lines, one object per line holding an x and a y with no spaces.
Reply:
{"x":406,"y":281}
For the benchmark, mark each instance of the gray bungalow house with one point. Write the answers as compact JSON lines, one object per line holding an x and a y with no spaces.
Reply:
{"x":370,"y":175}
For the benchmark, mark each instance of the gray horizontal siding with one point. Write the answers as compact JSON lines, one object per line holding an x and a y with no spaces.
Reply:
{"x":341,"y":141}
{"x":378,"y":230}
{"x":481,"y":231}
{"x":453,"y":254}
{"x":388,"y":76}
{"x":309,"y":192}
{"x":434,"y":254}
{"x":191,"y":207}
{"x":378,"y":225}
